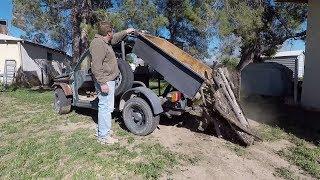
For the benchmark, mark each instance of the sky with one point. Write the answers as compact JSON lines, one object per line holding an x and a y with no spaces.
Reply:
{"x":6,"y":14}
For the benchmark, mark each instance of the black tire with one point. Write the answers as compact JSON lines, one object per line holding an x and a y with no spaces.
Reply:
{"x":125,"y":80}
{"x":61,"y":104}
{"x":138,"y":117}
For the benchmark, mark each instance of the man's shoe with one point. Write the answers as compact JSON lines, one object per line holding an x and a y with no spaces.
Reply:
{"x":110,"y":133}
{"x":109,"y":140}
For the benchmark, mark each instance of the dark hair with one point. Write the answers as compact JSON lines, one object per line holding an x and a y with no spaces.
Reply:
{"x":104,"y":27}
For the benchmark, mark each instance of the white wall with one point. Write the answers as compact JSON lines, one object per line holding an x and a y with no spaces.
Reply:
{"x":30,"y":53}
{"x":311,"y":83}
{"x":9,"y":51}
{"x":301,"y":59}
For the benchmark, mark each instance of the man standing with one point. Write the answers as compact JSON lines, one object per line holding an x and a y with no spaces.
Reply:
{"x":104,"y":67}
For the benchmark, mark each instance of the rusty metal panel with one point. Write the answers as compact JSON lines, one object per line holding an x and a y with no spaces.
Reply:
{"x":65,"y":87}
{"x":174,"y":71}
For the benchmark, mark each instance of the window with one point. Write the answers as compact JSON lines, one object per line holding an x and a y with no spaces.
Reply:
{"x":3,"y":22}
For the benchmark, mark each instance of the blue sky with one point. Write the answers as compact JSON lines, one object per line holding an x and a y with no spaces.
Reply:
{"x":6,"y":13}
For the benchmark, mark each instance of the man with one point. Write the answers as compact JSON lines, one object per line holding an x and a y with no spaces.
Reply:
{"x":104,"y":67}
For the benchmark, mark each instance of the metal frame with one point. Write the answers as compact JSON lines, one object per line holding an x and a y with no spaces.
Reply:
{"x":5,"y":74}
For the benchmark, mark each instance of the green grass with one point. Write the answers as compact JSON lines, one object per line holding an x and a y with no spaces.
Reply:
{"x":33,"y":146}
{"x":301,"y":154}
{"x":304,"y":156}
{"x":269,"y":133}
{"x":284,"y":173}
{"x":239,"y":150}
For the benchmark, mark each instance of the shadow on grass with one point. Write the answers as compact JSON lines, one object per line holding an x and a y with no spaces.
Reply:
{"x":292,"y":119}
{"x":94,"y":115}
{"x":186,"y":121}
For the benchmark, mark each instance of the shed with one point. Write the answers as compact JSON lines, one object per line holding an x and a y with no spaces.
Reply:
{"x":21,"y":56}
{"x":270,"y":79}
{"x":294,"y":60}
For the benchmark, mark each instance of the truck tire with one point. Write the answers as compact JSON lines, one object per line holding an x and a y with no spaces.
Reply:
{"x":125,"y":79}
{"x":138,"y":117}
{"x":61,"y":104}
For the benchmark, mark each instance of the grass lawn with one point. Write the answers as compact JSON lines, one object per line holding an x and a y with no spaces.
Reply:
{"x":36,"y":142}
{"x":302,"y":154}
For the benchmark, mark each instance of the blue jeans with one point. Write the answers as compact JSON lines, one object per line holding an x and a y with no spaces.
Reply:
{"x":105,"y":108}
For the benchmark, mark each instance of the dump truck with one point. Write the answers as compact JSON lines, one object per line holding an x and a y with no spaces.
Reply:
{"x":191,"y":87}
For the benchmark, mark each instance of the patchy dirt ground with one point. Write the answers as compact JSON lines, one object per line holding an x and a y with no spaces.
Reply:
{"x":35,"y":142}
{"x":216,"y":158}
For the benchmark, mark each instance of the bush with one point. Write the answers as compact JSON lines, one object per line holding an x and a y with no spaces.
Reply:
{"x":230,"y":62}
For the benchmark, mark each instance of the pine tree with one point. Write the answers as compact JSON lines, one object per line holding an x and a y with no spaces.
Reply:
{"x":262,"y":26}
{"x":58,"y":23}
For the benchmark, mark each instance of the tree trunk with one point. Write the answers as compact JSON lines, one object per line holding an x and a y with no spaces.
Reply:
{"x":248,"y":53}
{"x":76,"y":33}
{"x":85,"y":19}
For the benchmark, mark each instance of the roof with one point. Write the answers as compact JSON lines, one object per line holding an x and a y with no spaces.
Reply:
{"x":284,"y":54}
{"x":11,"y":38}
{"x":289,"y":53}
{"x":295,"y":1}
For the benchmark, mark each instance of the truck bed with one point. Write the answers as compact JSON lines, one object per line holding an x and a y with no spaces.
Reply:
{"x":179,"y":55}
{"x":180,"y":69}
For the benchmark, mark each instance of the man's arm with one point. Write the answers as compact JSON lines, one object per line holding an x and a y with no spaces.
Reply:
{"x":98,"y":54}
{"x":117,"y":37}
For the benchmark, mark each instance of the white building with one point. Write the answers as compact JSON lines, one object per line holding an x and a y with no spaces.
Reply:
{"x":294,"y":60}
{"x":31,"y":59}
{"x":311,"y":87}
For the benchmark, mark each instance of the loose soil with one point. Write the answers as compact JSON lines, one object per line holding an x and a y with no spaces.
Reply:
{"x":217,"y":158}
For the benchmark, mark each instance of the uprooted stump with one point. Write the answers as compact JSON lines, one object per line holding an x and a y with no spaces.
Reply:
{"x":219,"y":100}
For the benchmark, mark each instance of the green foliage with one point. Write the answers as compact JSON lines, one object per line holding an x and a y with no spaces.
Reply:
{"x":62,"y":23}
{"x":59,"y":24}
{"x":43,"y":21}
{"x":190,"y":22}
{"x":262,"y":26}
{"x":91,"y":31}
{"x":231,"y":62}
{"x":142,"y":15}
{"x":241,"y":18}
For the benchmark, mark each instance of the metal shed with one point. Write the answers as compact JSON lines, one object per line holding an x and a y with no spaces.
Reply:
{"x":294,"y":60}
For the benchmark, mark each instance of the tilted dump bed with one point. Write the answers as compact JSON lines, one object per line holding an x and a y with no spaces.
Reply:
{"x":180,"y":69}
{"x":188,"y":74}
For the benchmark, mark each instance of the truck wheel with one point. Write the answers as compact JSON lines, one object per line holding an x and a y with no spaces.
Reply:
{"x":125,"y":79}
{"x":138,"y":117}
{"x":61,"y":104}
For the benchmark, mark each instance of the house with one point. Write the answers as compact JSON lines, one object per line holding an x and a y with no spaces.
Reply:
{"x":22,"y":60}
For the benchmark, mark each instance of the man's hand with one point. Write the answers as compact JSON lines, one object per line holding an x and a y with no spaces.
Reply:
{"x":104,"y":88}
{"x":130,"y":30}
